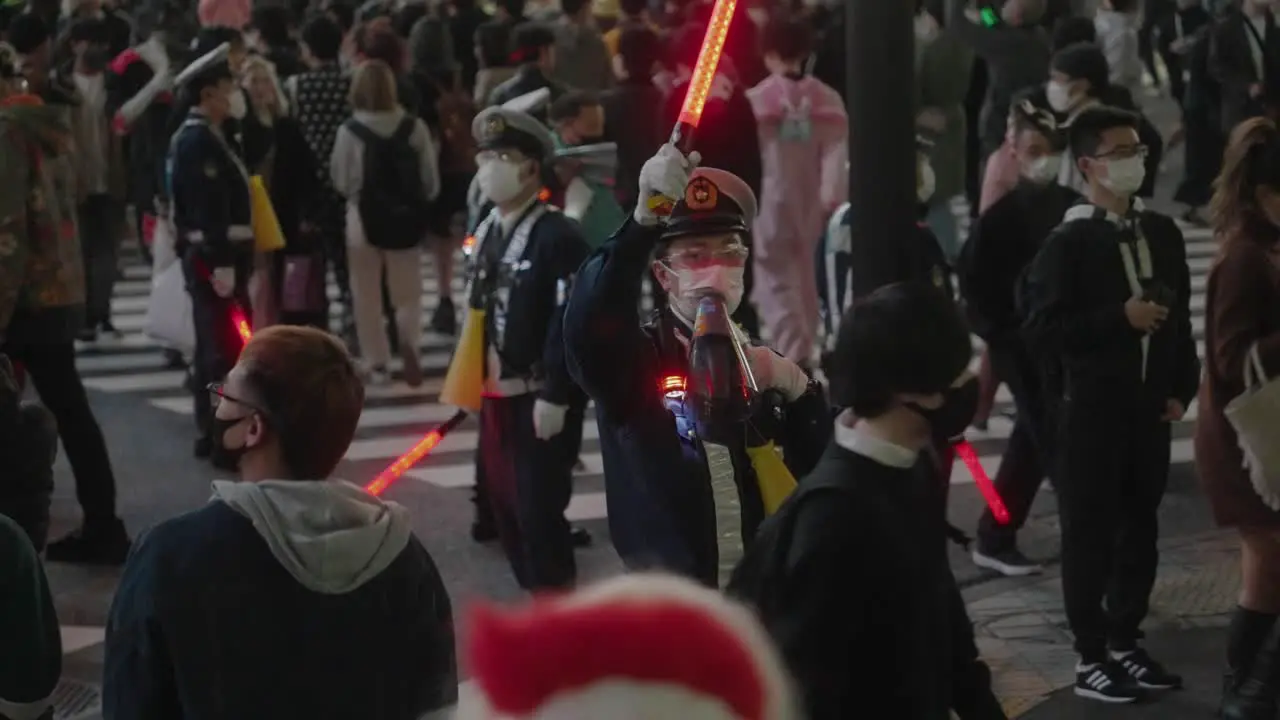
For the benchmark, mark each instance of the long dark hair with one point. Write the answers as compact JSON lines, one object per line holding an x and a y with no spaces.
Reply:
{"x":1252,"y":160}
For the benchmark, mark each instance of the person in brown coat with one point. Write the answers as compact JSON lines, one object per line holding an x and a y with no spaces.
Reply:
{"x":1242,"y":308}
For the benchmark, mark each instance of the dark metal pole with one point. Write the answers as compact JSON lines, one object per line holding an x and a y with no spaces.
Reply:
{"x":880,"y":74}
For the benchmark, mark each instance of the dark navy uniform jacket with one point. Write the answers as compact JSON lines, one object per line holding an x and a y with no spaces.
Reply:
{"x":526,"y":299}
{"x":661,"y":510}
{"x":209,"y":188}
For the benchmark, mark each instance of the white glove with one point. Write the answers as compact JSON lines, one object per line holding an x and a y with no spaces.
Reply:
{"x":223,"y":280}
{"x":665,"y":174}
{"x":548,"y":419}
{"x":773,"y":371}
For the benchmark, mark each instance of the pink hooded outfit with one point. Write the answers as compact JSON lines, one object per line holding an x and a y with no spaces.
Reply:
{"x":228,"y":13}
{"x":803,"y":145}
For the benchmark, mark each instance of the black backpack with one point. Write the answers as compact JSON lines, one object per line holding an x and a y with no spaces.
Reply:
{"x":393,"y":203}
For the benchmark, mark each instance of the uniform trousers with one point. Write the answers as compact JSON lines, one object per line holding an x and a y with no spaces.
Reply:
{"x":218,"y":340}
{"x":1111,"y":470}
{"x":528,"y":483}
{"x":1024,"y":464}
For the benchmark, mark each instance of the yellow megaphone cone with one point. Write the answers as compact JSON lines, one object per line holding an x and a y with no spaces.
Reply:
{"x":774,"y":479}
{"x":465,"y":380}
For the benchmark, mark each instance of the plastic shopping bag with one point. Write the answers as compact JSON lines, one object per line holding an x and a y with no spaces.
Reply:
{"x":169,"y":319}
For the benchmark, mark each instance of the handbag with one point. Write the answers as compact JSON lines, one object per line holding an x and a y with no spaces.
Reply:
{"x":1255,"y":416}
{"x":302,"y":288}
{"x":168,"y":318}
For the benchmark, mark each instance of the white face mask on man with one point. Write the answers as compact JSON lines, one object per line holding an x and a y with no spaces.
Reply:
{"x":499,"y":180}
{"x":1043,"y":170}
{"x":692,"y":283}
{"x":1124,"y":175}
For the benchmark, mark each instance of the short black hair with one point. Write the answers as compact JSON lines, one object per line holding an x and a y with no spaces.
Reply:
{"x":1124,"y":6}
{"x":514,"y":8}
{"x":531,"y":36}
{"x":341,"y":12}
{"x":87,"y":29}
{"x":272,"y":23}
{"x":790,"y":38}
{"x":27,"y":32}
{"x":903,"y":338}
{"x":323,"y":37}
{"x":214,"y":36}
{"x":1085,"y":131}
{"x":633,"y":8}
{"x":640,"y":49}
{"x":1072,"y":30}
{"x":571,"y":104}
{"x":493,"y":39}
{"x":1030,"y":110}
{"x":1084,"y":61}
{"x":573,"y":7}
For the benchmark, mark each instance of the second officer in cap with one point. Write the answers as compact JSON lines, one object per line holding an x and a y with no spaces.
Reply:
{"x":209,"y":191}
{"x":668,"y":505}
{"x":525,"y":257}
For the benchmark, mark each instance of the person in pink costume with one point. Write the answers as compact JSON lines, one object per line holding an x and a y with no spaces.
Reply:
{"x":229,"y":13}
{"x":803,"y":142}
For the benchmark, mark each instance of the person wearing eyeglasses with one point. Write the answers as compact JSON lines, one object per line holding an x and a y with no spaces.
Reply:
{"x":290,"y":583}
{"x":669,"y":504}
{"x":1108,"y":299}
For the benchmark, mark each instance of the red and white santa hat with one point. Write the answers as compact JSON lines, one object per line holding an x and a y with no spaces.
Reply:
{"x":638,"y":647}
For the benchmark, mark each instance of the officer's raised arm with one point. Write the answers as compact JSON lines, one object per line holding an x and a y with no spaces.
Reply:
{"x":608,"y":352}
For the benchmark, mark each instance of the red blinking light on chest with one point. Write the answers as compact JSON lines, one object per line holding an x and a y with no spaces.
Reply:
{"x":672,"y":386}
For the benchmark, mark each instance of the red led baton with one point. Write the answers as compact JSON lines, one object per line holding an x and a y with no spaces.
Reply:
{"x":414,"y":455}
{"x":969,"y":456}
{"x":695,"y":98}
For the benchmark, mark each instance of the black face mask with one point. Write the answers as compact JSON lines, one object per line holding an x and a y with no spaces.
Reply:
{"x":223,"y":457}
{"x":95,"y":58}
{"x":959,"y":405}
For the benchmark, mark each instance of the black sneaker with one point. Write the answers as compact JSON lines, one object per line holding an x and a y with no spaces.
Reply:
{"x":1106,"y":682}
{"x":580,"y":537}
{"x":1009,"y":562}
{"x":106,"y":544}
{"x":1147,"y":673}
{"x":445,"y":319}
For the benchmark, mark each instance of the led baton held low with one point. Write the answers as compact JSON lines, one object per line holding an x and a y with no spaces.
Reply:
{"x":414,"y":455}
{"x":695,"y":98}
{"x":969,"y":456}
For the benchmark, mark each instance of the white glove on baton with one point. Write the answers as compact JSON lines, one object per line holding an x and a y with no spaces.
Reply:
{"x":548,"y":419}
{"x":223,"y":280}
{"x":665,"y":174}
{"x":773,"y":371}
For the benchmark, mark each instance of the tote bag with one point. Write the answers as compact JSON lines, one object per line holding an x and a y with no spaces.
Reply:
{"x":169,"y":319}
{"x":1255,"y":415}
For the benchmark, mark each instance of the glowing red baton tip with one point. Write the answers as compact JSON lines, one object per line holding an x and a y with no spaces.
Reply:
{"x":414,"y":455}
{"x":969,"y":456}
{"x":241,"y":323}
{"x":704,"y":72}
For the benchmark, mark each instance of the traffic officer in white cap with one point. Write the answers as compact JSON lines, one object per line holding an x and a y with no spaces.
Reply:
{"x":666,"y":493}
{"x":524,"y":259}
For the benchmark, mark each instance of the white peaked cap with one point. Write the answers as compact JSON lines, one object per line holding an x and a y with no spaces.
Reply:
{"x":202,"y":63}
{"x":531,"y":103}
{"x":637,"y":647}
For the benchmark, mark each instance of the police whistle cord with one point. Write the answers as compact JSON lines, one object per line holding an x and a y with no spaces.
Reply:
{"x":414,"y":455}
{"x":969,"y":456}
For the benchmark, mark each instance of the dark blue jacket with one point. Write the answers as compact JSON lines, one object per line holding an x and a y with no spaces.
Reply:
{"x":657,"y":487}
{"x":207,"y":625}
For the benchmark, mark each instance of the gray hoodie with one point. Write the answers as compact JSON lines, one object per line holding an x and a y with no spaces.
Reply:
{"x":330,"y":535}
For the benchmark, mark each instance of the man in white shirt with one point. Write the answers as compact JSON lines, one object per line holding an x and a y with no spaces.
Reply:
{"x":99,"y":172}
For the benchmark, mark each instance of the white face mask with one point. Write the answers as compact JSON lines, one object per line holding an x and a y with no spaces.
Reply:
{"x":1124,"y":177}
{"x":926,"y":28}
{"x":692,"y":282}
{"x":927,"y":183}
{"x":238,"y":108}
{"x":1043,"y":170}
{"x":1058,"y":95}
{"x":499,"y":180}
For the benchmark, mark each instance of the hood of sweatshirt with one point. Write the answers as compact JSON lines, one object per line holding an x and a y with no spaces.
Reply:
{"x":383,"y":122}
{"x":330,"y":535}
{"x":45,"y":124}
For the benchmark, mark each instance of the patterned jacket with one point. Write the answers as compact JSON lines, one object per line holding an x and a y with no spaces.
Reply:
{"x":41,"y":275}
{"x":318,"y":99}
